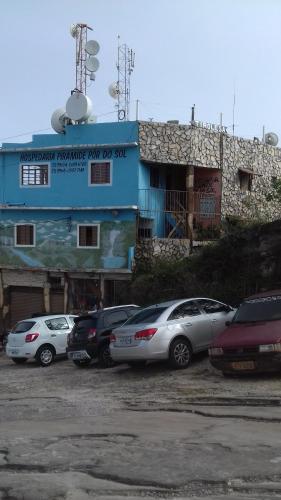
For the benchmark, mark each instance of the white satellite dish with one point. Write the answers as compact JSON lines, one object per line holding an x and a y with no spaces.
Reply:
{"x":271,"y":139}
{"x":113,"y":90}
{"x":79,"y":107}
{"x":92,"y":47}
{"x":92,"y":64}
{"x":58,"y":119}
{"x":74,"y":30}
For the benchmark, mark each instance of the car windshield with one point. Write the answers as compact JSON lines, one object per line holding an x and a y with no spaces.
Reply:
{"x":259,"y":309}
{"x":23,"y":326}
{"x":146,"y":316}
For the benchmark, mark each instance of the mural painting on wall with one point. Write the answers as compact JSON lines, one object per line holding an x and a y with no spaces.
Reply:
{"x":56,"y":245}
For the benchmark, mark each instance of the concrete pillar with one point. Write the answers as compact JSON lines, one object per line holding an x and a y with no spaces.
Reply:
{"x":46,"y":292}
{"x":189,"y":183}
{"x":65,"y":295}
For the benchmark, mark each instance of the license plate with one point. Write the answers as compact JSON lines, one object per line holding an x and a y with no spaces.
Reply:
{"x":14,"y":352}
{"x":125,"y":341}
{"x":78,"y":355}
{"x":243,"y":365}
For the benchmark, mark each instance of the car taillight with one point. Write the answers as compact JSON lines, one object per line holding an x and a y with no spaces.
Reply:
{"x":30,"y":337}
{"x":145,"y":334}
{"x":112,"y":338}
{"x":92,"y":333}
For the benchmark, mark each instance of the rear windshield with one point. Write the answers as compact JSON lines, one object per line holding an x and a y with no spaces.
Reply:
{"x":259,"y":309}
{"x":84,"y":324}
{"x":23,"y":326}
{"x":146,"y":316}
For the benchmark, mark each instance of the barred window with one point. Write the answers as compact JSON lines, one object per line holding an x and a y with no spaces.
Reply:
{"x":88,"y":236}
{"x":100,"y":172}
{"x":34,"y":175}
{"x":25,"y":235}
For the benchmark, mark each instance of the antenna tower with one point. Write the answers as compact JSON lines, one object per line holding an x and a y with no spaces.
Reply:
{"x":125,"y":66}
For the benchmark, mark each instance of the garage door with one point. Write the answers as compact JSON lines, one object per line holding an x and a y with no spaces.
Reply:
{"x":57,"y":302}
{"x":24,"y":302}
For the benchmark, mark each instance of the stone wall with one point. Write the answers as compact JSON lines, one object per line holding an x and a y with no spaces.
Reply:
{"x":191,"y":145}
{"x":148,"y":250}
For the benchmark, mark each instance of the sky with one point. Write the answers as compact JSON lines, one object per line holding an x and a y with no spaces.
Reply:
{"x":221,"y":55}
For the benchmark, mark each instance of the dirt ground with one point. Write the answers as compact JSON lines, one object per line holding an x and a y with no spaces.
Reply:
{"x":76,"y":434}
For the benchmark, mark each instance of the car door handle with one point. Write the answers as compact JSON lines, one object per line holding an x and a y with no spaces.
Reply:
{"x":187,"y":324}
{"x":53,"y":335}
{"x":214,"y":320}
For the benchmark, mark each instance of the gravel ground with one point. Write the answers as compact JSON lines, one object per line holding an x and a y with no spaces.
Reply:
{"x":69,"y":433}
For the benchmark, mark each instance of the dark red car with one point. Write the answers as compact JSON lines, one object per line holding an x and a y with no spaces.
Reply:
{"x":252,"y":340}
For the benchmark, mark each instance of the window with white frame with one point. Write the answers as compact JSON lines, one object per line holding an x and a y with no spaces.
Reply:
{"x":100,"y":173}
{"x":88,"y":235}
{"x":24,"y":235}
{"x":34,"y":175}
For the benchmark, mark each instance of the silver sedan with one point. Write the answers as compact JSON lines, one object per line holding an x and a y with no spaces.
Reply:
{"x":171,"y":330}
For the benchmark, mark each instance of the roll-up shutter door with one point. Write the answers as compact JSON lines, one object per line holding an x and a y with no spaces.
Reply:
{"x":57,"y":302}
{"x":25,"y":302}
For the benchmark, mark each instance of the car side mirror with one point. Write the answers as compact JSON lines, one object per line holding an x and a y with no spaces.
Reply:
{"x":227,"y":323}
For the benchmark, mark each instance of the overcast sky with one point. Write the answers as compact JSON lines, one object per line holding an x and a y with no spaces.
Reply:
{"x":187,"y":52}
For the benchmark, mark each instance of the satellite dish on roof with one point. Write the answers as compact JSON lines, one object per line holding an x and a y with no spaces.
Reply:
{"x":271,"y":139}
{"x":92,"y":64}
{"x":58,"y":119}
{"x":92,"y":47}
{"x":114,"y":90}
{"x":74,"y":30}
{"x":79,"y":107}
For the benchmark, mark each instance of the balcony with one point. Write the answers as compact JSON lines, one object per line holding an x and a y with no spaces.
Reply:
{"x":164,"y":214}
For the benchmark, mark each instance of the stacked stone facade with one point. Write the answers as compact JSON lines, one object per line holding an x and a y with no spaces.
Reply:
{"x":189,"y":145}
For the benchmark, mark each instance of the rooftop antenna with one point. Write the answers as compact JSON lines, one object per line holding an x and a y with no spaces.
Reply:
{"x":78,"y":107}
{"x":121,"y":90}
{"x":233,"y":110}
{"x":86,"y":63}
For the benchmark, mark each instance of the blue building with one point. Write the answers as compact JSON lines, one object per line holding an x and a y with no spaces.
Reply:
{"x":78,"y":208}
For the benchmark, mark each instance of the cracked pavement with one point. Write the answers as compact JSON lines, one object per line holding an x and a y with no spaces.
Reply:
{"x":72,"y":434}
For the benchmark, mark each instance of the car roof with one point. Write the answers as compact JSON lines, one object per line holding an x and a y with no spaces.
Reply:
{"x":44,"y":316}
{"x":112,"y":307}
{"x":268,"y":293}
{"x":170,"y":303}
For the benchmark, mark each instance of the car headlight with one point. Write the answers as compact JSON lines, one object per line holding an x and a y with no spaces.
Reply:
{"x":270,"y":347}
{"x":215,"y":351}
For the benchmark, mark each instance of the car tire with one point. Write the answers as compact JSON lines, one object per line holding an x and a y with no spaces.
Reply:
{"x":180,"y":354}
{"x":82,"y":363}
{"x":45,"y":355}
{"x":19,"y":361}
{"x":137,"y":365}
{"x":105,"y":359}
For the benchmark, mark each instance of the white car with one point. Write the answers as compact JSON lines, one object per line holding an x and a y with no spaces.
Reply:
{"x":41,"y":338}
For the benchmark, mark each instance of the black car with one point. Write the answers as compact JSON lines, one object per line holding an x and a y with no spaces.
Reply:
{"x":90,"y":335}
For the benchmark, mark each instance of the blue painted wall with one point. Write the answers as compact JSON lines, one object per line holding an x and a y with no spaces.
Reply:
{"x":69,"y":176}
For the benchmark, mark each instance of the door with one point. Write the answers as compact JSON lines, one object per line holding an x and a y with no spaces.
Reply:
{"x":25,"y":301}
{"x":187,"y":319}
{"x":58,"y":329}
{"x":217,"y":314}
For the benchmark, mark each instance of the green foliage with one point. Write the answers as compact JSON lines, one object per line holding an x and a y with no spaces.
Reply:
{"x":244,"y":261}
{"x":275,"y":193}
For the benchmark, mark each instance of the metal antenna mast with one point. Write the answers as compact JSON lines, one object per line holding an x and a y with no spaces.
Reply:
{"x":79,"y":31}
{"x":125,"y":66}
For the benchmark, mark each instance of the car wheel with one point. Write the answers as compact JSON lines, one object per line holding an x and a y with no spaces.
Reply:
{"x":82,"y":363}
{"x":105,"y":359}
{"x":19,"y":361}
{"x":180,"y":354}
{"x":45,"y":355}
{"x":137,"y":365}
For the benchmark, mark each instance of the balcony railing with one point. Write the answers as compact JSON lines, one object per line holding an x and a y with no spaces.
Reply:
{"x":164,"y":213}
